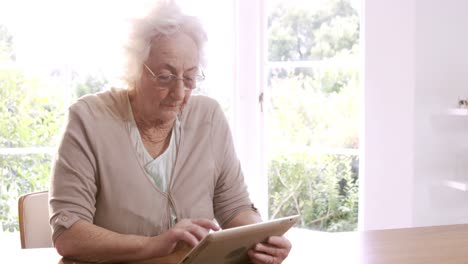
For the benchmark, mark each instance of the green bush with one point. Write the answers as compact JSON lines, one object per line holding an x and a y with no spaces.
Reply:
{"x":28,"y":118}
{"x":20,"y":174}
{"x":322,"y":188}
{"x":307,"y":117}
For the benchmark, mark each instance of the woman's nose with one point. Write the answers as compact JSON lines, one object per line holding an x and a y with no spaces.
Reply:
{"x":178,"y":89}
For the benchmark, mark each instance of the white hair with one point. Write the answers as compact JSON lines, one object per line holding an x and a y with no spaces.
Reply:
{"x":165,"y":19}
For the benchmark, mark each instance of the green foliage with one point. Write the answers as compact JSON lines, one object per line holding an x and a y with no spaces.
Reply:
{"x":337,"y":37}
{"x":297,"y":33}
{"x":90,"y":84}
{"x":289,"y":38}
{"x":31,"y":115}
{"x":27,"y":116}
{"x":312,"y":111}
{"x":6,"y":45}
{"x":20,"y":174}
{"x":304,"y":115}
{"x":321,"y":188}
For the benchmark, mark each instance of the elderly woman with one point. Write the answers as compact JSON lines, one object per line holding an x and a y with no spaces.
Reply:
{"x":143,"y":169}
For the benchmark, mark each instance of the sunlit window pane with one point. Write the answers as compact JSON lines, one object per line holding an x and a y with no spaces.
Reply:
{"x":312,"y":114}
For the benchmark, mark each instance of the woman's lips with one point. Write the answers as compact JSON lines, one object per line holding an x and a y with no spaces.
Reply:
{"x":171,"y":106}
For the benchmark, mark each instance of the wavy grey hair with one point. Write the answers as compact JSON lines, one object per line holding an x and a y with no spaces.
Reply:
{"x":165,"y":19}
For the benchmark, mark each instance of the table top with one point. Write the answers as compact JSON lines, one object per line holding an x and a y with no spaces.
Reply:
{"x":437,"y":244}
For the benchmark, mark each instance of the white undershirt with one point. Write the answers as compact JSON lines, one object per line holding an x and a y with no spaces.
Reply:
{"x":158,"y":170}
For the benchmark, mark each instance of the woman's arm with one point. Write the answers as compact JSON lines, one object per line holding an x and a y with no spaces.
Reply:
{"x":87,"y":242}
{"x":244,"y":218}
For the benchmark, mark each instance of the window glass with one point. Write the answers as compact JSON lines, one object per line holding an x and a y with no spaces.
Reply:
{"x":312,"y":114}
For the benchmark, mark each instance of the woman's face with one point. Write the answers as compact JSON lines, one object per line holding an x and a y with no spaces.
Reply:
{"x":178,"y":55}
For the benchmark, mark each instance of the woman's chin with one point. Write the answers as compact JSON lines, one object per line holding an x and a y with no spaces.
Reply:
{"x":169,"y":114}
{"x":164,"y":114}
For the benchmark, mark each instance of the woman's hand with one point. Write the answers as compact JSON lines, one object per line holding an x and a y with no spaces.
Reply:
{"x":189,"y":231}
{"x":273,"y":251}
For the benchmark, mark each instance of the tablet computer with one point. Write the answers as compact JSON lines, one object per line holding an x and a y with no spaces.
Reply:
{"x":231,"y":245}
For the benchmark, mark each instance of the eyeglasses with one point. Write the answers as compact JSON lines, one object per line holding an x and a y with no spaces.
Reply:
{"x":164,"y":80}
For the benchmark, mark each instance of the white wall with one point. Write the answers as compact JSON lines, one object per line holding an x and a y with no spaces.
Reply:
{"x":441,"y":140}
{"x":415,"y":67}
{"x":387,"y":152}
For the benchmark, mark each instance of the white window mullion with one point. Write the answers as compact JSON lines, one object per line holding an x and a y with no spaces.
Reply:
{"x":250,"y":82}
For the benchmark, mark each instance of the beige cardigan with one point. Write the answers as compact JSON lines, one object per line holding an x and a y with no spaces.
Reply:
{"x":98,"y":178}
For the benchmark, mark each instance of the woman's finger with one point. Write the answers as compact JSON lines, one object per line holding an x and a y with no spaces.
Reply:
{"x":261,"y":258}
{"x":267,"y":249}
{"x":206,"y":223}
{"x":279,"y":241}
{"x":196,"y":230}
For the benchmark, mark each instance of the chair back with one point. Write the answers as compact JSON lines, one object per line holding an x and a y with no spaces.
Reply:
{"x":33,"y":211}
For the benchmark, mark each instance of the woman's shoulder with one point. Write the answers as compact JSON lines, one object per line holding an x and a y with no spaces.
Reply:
{"x":200,"y":107}
{"x":203,"y":103}
{"x":112,"y":101}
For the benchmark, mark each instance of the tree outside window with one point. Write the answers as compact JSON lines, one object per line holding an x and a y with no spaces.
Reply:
{"x":312,"y":118}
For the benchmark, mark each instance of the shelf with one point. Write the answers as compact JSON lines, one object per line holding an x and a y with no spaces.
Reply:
{"x":458,"y":185}
{"x":458,"y":111}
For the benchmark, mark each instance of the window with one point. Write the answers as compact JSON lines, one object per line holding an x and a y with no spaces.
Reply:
{"x":312,"y":111}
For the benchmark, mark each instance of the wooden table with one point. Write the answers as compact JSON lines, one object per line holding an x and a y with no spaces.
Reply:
{"x":422,"y":245}
{"x":50,"y":256}
{"x":440,"y":244}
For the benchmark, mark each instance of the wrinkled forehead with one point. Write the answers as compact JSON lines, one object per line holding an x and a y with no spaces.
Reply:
{"x":178,"y":50}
